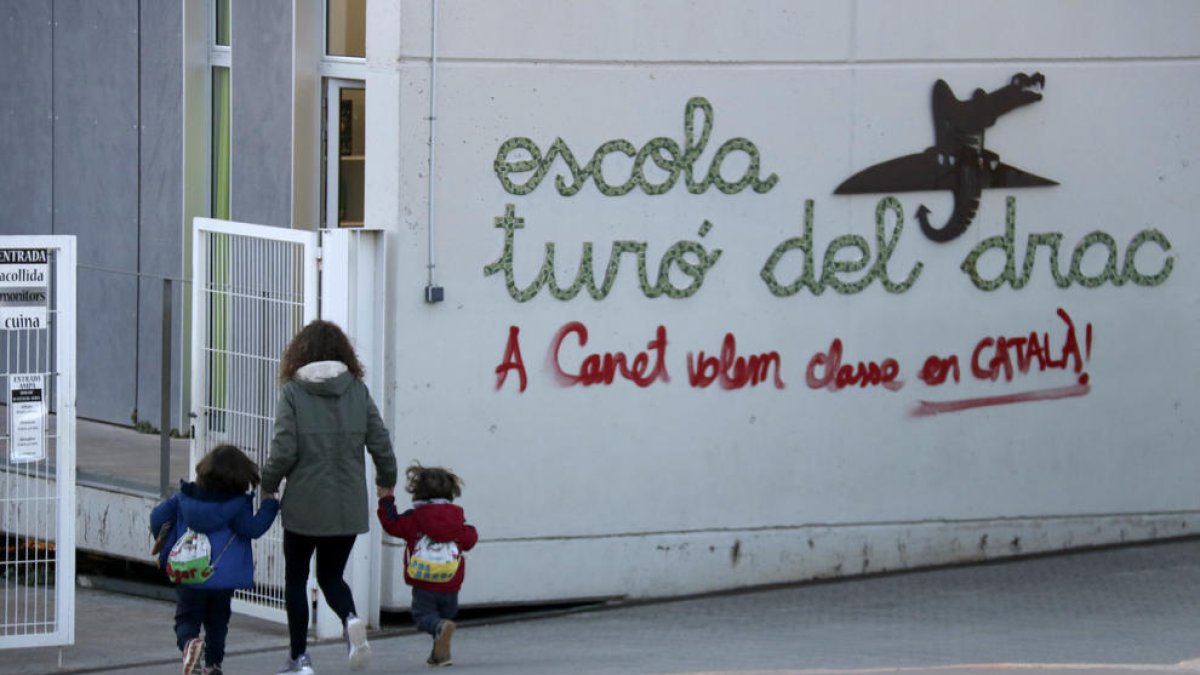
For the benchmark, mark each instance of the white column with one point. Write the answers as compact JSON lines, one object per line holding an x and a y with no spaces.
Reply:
{"x":351,"y":296}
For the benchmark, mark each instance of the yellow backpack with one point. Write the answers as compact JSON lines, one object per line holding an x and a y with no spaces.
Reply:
{"x":433,"y":561}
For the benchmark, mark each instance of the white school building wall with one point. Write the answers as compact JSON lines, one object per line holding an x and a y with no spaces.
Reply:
{"x":769,"y":381}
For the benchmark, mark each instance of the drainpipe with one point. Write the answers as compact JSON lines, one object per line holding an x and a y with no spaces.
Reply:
{"x":433,"y":292}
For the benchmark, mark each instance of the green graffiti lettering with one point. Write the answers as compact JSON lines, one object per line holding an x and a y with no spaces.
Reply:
{"x":887,"y":244}
{"x":618,"y":145}
{"x":831,"y":265}
{"x":1050,"y":240}
{"x":521,"y":155}
{"x":693,"y":148}
{"x":677,"y":256}
{"x":801,"y":243}
{"x":691,"y":259}
{"x":579,"y":176}
{"x":1006,"y":245}
{"x":1131,"y":271}
{"x":502,"y":166}
{"x":1003,"y":243}
{"x":1111,"y":273}
{"x":669,"y":162}
{"x":510,"y":223}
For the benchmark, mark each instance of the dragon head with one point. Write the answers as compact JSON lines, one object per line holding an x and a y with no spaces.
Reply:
{"x":960,"y":124}
{"x":1028,"y":87}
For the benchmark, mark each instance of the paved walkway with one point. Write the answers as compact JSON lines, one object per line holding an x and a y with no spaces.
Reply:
{"x":1124,"y":610}
{"x":114,"y":455}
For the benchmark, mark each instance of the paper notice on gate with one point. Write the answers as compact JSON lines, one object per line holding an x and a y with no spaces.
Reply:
{"x":26,"y":418}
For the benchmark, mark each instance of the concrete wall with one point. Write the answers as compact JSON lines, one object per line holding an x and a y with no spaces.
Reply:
{"x":682,"y":486}
{"x":91,"y":140}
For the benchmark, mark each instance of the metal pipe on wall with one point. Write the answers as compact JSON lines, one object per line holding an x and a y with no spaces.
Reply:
{"x":432,"y":291}
{"x":164,"y":425}
{"x":433,"y":31}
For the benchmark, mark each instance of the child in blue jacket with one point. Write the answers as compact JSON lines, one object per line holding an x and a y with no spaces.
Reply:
{"x":219,"y":504}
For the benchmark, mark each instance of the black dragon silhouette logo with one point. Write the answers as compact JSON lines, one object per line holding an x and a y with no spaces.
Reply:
{"x":957,"y":161}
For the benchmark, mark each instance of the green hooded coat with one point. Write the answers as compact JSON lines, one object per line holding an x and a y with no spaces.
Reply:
{"x":323,"y":419}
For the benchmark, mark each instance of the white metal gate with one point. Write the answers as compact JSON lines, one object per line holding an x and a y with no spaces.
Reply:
{"x":37,"y":471}
{"x":254,"y":288}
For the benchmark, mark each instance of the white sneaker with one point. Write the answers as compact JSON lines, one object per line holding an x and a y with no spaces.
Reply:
{"x":301,"y":665}
{"x":356,"y":638}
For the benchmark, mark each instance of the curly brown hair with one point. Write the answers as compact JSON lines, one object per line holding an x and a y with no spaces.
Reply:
{"x":432,"y":482}
{"x":227,"y":469}
{"x":318,"y":341}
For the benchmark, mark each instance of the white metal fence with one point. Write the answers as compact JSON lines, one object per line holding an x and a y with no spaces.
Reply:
{"x":37,"y":471}
{"x":254,"y":288}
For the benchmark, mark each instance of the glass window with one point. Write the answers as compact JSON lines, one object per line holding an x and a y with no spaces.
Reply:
{"x":221,"y":22}
{"x":345,"y":28}
{"x":220,"y":143}
{"x":345,"y":154}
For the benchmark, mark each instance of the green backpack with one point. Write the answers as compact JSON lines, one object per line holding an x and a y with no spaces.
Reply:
{"x":190,"y":560}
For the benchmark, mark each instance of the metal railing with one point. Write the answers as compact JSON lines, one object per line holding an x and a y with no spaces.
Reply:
{"x":175,"y":293}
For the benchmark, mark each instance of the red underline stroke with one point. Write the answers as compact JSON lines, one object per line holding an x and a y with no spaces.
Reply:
{"x":926,"y":408}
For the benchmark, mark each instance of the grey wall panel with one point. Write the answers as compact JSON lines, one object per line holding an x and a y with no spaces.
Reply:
{"x":107,"y":345}
{"x":95,"y":132}
{"x":161,"y":136}
{"x":96,"y":191}
{"x":261,"y":112}
{"x":162,"y":227}
{"x":26,"y":130}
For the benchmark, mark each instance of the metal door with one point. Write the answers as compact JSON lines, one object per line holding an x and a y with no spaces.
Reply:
{"x":254,"y":288}
{"x":37,"y":471}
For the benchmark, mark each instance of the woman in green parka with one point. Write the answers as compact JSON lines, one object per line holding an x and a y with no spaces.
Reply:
{"x":324,"y":418}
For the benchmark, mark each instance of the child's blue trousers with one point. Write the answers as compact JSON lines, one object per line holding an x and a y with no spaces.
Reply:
{"x":197,"y":607}
{"x":429,"y":608}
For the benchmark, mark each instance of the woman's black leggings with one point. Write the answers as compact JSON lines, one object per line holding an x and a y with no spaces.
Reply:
{"x":332,"y":554}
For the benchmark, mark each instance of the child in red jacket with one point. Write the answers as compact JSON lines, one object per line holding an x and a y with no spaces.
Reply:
{"x":433,"y":528}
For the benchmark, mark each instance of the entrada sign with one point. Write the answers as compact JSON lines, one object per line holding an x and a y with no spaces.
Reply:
{"x":24,"y":288}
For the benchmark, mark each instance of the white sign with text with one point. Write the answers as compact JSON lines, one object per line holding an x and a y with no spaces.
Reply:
{"x":26,"y":418}
{"x":24,"y":288}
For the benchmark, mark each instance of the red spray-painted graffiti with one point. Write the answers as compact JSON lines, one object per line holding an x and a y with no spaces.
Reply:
{"x":731,"y":370}
{"x":727,"y":369}
{"x":994,"y":358}
{"x":1027,"y":351}
{"x":603,"y":368}
{"x":926,"y":408}
{"x":512,"y":359}
{"x":1006,"y":357}
{"x":834,"y":376}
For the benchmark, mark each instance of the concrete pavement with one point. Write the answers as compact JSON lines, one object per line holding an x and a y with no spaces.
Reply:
{"x":1121,"y":610}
